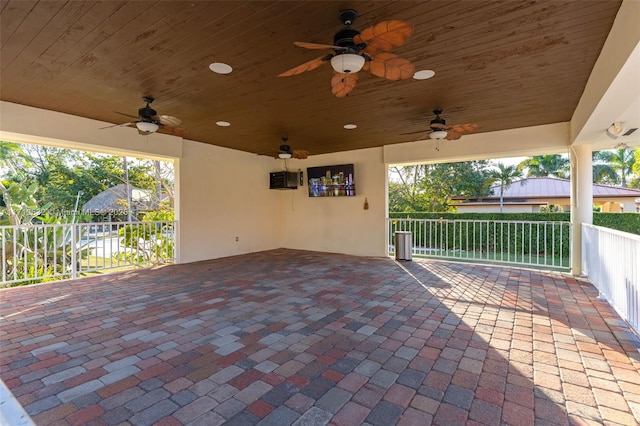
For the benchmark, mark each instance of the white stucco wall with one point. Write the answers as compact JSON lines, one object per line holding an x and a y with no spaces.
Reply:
{"x":225,"y":194}
{"x":339,"y":224}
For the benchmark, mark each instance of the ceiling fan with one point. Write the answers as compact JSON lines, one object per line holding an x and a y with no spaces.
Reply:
{"x":439,"y":130}
{"x":284,"y":151}
{"x":355,"y":51}
{"x":148,"y":121}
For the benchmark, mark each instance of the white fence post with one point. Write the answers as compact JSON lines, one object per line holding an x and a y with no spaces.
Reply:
{"x":74,"y":247}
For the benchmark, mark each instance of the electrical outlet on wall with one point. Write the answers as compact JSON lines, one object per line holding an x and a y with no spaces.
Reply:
{"x":301,"y":177}
{"x":237,"y":239}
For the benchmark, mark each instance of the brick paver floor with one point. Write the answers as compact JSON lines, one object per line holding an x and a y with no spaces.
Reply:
{"x":290,"y":337}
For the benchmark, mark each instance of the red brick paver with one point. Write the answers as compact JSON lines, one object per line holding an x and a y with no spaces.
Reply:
{"x":283,"y":335}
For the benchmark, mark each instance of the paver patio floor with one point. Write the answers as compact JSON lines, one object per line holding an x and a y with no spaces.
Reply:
{"x":290,"y":337}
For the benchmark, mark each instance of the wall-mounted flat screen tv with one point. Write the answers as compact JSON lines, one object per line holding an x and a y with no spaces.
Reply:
{"x":331,"y":181}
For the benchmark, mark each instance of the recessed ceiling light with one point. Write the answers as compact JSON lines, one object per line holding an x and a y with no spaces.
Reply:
{"x":350,"y":126}
{"x":223,"y":123}
{"x":423,"y":74}
{"x":220,"y":68}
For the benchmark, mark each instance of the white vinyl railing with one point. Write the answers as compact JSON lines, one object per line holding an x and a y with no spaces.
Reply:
{"x":43,"y":252}
{"x":611,"y":261}
{"x":526,"y":243}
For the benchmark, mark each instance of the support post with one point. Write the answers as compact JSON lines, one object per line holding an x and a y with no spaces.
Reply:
{"x":74,"y":257}
{"x":581,"y":200}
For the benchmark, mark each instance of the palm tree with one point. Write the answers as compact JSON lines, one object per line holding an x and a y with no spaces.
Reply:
{"x":603,"y":173}
{"x":505,"y":175}
{"x":613,"y":166}
{"x":554,"y":165}
{"x":12,"y":154}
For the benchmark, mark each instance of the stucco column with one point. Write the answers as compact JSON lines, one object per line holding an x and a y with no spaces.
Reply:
{"x":581,"y":200}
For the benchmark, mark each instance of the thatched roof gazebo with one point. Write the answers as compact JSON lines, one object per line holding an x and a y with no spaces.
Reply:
{"x":113,"y":201}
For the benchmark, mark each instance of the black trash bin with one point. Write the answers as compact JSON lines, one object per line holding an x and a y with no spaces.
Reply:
{"x":403,"y":243}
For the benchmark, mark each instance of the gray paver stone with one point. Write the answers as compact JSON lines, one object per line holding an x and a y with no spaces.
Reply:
{"x":119,"y":374}
{"x":121,"y":398}
{"x":252,"y":392}
{"x":334,"y":400}
{"x":230,"y":408}
{"x":384,"y":379}
{"x":121,"y":363}
{"x":281,"y":416}
{"x":314,"y":416}
{"x":154,"y":413}
{"x":63,"y":375}
{"x":147,"y":400}
{"x":367,"y":368}
{"x":74,"y":392}
{"x":195,"y":409}
{"x":42,"y":405}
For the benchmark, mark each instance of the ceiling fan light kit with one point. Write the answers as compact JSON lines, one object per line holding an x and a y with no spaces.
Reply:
{"x":438,"y":134}
{"x":346,"y":63}
{"x":145,"y":126}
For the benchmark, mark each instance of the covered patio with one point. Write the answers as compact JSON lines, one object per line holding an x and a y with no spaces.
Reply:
{"x":284,"y":337}
{"x":282,"y":308}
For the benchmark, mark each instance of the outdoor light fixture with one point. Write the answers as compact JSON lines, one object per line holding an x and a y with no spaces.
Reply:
{"x":615,"y":130}
{"x":284,"y":155}
{"x":346,"y":63}
{"x":146,"y":126}
{"x":438,"y":134}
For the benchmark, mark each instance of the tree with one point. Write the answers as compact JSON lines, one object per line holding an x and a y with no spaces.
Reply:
{"x":614,"y":167}
{"x":603,"y":173}
{"x":552,"y":165}
{"x":505,"y":176}
{"x":405,"y":188}
{"x":17,"y":196}
{"x":12,"y":156}
{"x":430,"y":187}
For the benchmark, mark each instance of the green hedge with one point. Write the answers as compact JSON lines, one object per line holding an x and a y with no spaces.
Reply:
{"x":626,"y":222}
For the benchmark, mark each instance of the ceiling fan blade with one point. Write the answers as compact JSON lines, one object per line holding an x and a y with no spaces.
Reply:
{"x":385,"y":36}
{"x":118,"y":125}
{"x":173,"y":131}
{"x":127,"y":115}
{"x":300,"y":154}
{"x":390,"y":66}
{"x":453,"y":135}
{"x":317,"y":46}
{"x":168,"y":120}
{"x":343,"y":84}
{"x":307,"y":66}
{"x":465,"y":128}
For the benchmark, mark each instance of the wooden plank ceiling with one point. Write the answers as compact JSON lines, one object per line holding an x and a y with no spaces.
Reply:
{"x":501,"y":64}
